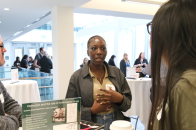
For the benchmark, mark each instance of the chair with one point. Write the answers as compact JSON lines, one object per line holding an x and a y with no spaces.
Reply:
{"x":133,"y":117}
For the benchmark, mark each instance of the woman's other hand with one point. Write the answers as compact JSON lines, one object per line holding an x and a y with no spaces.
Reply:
{"x":110,"y":96}
{"x":97,"y":107}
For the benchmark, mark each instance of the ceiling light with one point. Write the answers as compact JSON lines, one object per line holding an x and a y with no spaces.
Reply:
{"x":154,"y":2}
{"x":0,"y":21}
{"x":6,"y":9}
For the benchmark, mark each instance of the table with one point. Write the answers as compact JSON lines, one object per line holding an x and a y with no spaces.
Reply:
{"x":141,"y":104}
{"x":24,"y":91}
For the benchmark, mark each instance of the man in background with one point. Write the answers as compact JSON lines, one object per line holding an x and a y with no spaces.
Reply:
{"x":10,"y":110}
{"x":38,"y":57}
{"x":45,"y":63}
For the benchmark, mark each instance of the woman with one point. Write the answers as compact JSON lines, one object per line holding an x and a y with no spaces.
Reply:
{"x":31,"y":59}
{"x":173,"y":39}
{"x":24,"y":62}
{"x":124,"y":63}
{"x":111,"y":61}
{"x":85,"y":61}
{"x":103,"y":89}
{"x":17,"y":62}
{"x":142,"y":62}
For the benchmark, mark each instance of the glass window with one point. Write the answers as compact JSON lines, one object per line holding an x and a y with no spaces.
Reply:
{"x":140,"y":39}
{"x":32,"y":53}
{"x":18,"y":52}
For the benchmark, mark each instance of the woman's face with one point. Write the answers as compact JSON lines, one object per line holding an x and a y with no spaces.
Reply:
{"x":142,"y":55}
{"x":126,"y":56}
{"x":97,"y":51}
{"x":86,"y":61}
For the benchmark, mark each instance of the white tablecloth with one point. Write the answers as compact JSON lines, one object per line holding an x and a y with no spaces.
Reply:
{"x":24,"y":91}
{"x":141,"y":104}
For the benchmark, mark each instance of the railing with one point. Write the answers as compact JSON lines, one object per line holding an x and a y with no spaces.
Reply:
{"x":44,"y":80}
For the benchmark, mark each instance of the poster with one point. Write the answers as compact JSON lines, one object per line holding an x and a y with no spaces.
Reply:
{"x":52,"y":115}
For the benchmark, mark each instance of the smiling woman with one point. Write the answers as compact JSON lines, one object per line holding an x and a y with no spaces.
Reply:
{"x":103,"y":88}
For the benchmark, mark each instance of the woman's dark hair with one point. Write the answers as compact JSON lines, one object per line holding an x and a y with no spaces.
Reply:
{"x":17,"y":59}
{"x":112,"y":57}
{"x":139,"y":58}
{"x":90,"y":40}
{"x":174,"y":36}
{"x":25,"y":57}
{"x":31,"y":58}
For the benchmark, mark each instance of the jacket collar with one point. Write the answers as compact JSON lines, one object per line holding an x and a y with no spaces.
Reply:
{"x":85,"y":70}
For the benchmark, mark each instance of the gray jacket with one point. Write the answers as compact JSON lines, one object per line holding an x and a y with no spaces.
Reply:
{"x":81,"y":85}
{"x":12,"y":108}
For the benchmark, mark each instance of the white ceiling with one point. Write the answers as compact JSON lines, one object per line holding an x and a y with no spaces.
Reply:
{"x":24,"y":12}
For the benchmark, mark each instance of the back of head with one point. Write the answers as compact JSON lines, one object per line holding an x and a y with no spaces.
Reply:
{"x":45,"y":53}
{"x":112,"y":57}
{"x":173,"y":35}
{"x":25,"y":57}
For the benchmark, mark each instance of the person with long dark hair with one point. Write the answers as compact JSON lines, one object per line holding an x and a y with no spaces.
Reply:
{"x":24,"y":62}
{"x":17,"y":62}
{"x":111,"y":61}
{"x":173,"y":40}
{"x":141,"y":62}
{"x":103,"y":89}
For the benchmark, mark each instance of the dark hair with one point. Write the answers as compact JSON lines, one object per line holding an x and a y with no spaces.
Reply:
{"x":40,"y":49}
{"x":139,"y":58}
{"x":90,"y":40}
{"x":174,"y":36}
{"x":17,"y":58}
{"x":112,"y":57}
{"x":25,"y":57}
{"x":31,"y":58}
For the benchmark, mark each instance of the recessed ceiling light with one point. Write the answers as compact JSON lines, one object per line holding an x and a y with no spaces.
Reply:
{"x":0,"y":21}
{"x":6,"y":9}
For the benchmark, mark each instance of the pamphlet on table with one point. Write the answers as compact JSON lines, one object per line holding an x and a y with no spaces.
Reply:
{"x":14,"y":75}
{"x":131,"y":73}
{"x":52,"y":115}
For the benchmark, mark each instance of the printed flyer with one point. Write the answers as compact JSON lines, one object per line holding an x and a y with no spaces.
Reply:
{"x":52,"y":115}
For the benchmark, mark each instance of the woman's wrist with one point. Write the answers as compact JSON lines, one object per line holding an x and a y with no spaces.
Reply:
{"x":120,"y":99}
{"x":92,"y":111}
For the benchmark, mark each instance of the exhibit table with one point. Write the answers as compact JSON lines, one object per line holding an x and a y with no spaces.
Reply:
{"x":141,"y":104}
{"x":23,"y":91}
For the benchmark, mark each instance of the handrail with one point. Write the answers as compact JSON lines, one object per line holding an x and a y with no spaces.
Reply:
{"x":28,"y":78}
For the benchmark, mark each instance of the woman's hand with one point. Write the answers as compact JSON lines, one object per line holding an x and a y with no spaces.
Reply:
{"x":97,"y":107}
{"x":110,"y":96}
{"x":138,"y":69}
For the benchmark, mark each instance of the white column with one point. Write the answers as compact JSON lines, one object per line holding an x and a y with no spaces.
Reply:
{"x":63,"y":49}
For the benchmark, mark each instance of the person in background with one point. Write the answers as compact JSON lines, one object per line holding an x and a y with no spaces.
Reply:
{"x":31,"y":59}
{"x":163,"y":74}
{"x":103,"y":89}
{"x":142,"y":62}
{"x":124,"y":63}
{"x":174,"y":41}
{"x":45,"y":63}
{"x":24,"y":62}
{"x":17,"y":62}
{"x":85,"y":61}
{"x":10,"y":110}
{"x":111,"y":61}
{"x":38,"y":57}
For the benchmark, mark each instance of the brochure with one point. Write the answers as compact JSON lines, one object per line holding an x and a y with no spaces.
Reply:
{"x":52,"y":115}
